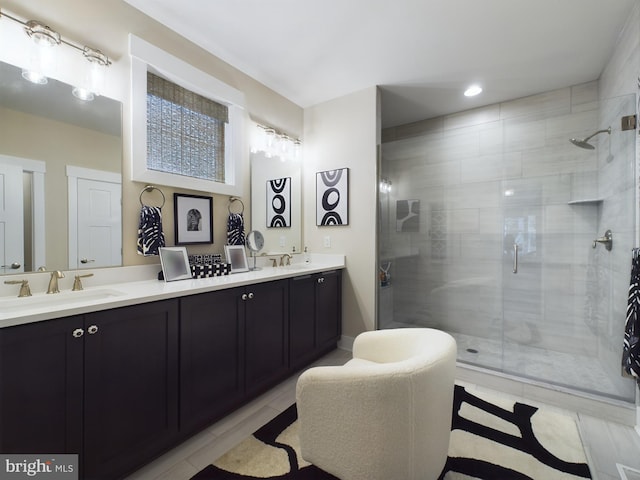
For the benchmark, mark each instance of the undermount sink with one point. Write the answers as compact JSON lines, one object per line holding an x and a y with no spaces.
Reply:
{"x":296,"y":266}
{"x":15,"y":304}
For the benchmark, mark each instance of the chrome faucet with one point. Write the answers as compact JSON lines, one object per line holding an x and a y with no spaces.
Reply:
{"x":53,"y":282}
{"x":288,"y":257}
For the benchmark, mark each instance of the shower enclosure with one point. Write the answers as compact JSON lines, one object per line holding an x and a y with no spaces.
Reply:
{"x":487,"y":229}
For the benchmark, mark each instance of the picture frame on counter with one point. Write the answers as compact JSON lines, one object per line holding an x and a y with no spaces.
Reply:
{"x":237,"y":258}
{"x":175,"y":263}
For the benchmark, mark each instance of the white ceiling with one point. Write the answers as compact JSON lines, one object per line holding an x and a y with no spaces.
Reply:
{"x":422,"y":53}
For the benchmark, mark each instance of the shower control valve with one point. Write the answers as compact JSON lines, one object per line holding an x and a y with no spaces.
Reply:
{"x":607,"y":240}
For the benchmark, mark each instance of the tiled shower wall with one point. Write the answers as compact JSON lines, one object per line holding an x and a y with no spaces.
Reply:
{"x":504,"y":174}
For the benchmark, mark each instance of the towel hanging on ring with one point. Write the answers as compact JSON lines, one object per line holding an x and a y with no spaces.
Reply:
{"x":150,"y":234}
{"x":631,"y":343}
{"x":235,"y":225}
{"x":235,"y":229}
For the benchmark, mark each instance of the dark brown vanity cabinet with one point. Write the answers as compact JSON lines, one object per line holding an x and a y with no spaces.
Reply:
{"x":103,"y":385}
{"x":233,"y":345}
{"x":315,"y":316}
{"x":121,"y":386}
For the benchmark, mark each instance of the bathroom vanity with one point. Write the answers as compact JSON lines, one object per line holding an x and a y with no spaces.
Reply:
{"x":123,"y":381}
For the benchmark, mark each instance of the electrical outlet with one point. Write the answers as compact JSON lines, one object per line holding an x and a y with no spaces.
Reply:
{"x":327,"y":241}
{"x":282,"y":241}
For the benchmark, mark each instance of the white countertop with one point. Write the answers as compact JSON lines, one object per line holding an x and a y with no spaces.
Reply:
{"x":123,"y":286}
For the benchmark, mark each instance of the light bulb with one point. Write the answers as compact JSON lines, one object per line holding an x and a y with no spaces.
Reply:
{"x":83,"y":94}
{"x":34,"y":77}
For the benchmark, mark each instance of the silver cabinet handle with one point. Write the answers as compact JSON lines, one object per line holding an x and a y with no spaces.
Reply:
{"x":244,"y":296}
{"x":78,"y":332}
{"x":321,"y":280}
{"x":515,"y":258}
{"x":92,"y":329}
{"x":13,"y":266}
{"x":250,"y":295}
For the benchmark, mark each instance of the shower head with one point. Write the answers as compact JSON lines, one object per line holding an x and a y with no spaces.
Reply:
{"x":585,"y":142}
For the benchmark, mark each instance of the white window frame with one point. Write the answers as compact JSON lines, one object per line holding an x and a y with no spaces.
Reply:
{"x":147,"y":57}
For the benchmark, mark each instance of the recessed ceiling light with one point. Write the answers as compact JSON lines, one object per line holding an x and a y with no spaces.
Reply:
{"x":472,"y":91}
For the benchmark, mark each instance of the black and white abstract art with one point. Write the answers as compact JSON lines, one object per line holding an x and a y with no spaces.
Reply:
{"x":332,"y":202}
{"x":408,"y":216}
{"x":279,"y":203}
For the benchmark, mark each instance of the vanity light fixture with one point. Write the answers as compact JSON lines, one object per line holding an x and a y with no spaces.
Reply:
{"x":41,"y":58}
{"x":40,"y":54}
{"x":276,"y":144}
{"x":473,"y":90}
{"x":93,"y":81}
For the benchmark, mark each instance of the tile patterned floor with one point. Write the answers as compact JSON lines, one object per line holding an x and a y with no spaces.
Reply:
{"x":606,"y":443}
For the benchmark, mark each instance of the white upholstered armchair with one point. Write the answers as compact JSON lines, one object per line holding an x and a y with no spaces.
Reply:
{"x":385,"y":414}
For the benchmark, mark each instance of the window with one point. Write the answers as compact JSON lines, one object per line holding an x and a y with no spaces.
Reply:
{"x":185,"y":131}
{"x":187,"y":125}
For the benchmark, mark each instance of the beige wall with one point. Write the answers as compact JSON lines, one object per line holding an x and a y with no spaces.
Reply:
{"x":343,"y":133}
{"x":105,"y":24}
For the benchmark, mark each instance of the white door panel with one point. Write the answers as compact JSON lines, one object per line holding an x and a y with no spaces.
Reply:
{"x":11,"y":220}
{"x":99,"y":224}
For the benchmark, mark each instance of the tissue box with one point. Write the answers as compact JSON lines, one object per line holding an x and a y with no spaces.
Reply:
{"x":210,"y":270}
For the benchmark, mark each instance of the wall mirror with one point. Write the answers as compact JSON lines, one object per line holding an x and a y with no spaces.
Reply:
{"x":78,"y":144}
{"x":286,"y":197}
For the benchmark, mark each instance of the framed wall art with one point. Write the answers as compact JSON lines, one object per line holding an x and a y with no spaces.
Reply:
{"x":193,"y":219}
{"x":332,"y":197}
{"x":279,"y":203}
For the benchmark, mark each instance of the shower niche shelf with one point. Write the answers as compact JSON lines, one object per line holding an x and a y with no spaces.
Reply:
{"x":586,"y":201}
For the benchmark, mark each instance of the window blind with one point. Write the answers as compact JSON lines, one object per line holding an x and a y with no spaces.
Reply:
{"x":185,"y":131}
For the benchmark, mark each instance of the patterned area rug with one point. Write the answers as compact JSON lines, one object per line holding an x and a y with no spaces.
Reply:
{"x":491,"y":438}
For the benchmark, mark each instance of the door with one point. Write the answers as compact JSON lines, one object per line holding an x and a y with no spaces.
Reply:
{"x":99,"y":224}
{"x":11,"y":220}
{"x":41,"y":367}
{"x":302,"y":320}
{"x":328,"y":309}
{"x":131,"y":386}
{"x":266,"y":317}
{"x":211,"y":357}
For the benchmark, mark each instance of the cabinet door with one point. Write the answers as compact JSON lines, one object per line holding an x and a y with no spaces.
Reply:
{"x":266,"y":335}
{"x":41,"y":387}
{"x":211,"y":357}
{"x":328,"y":308}
{"x":302,"y":323}
{"x":131,"y":386}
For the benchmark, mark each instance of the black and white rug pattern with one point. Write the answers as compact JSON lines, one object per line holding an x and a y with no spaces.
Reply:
{"x":491,"y":438}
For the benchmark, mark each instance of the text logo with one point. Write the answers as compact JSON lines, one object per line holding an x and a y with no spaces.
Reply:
{"x":45,"y":467}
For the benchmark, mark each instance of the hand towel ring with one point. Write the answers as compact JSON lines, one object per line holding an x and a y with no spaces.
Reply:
{"x":150,"y":188}
{"x":235,"y":199}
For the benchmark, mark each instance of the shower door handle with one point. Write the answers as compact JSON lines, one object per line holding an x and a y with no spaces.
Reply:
{"x":515,"y":258}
